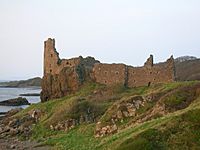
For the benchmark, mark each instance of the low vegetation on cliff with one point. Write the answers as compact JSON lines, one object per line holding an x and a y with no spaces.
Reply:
{"x":162,"y":116}
{"x":22,"y":83}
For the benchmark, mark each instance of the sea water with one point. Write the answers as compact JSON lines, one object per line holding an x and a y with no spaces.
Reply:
{"x":9,"y":93}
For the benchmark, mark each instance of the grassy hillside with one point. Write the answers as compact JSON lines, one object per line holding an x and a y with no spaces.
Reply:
{"x":188,"y":70}
{"x":168,"y":118}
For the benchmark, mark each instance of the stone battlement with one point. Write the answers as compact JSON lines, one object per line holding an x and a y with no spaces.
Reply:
{"x":64,"y":76}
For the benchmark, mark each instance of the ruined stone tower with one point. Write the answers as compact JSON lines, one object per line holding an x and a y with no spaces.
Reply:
{"x":51,"y":57}
{"x":65,"y":76}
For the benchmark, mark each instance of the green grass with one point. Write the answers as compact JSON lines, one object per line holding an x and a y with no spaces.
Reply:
{"x":148,"y":140}
{"x":81,"y":137}
{"x":145,"y":108}
{"x":177,"y":130}
{"x":176,"y":99}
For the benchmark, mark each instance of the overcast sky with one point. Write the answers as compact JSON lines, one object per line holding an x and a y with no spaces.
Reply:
{"x":121,"y":31}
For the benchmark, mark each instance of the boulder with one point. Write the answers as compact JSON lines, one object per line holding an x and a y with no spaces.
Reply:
{"x":30,"y":94}
{"x":35,"y":114}
{"x":15,"y":102}
{"x":106,"y":130}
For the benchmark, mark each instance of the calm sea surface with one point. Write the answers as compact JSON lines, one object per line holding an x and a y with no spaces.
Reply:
{"x":8,"y":93}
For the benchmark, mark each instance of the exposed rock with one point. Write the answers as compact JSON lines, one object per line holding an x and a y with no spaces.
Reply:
{"x":30,"y":94}
{"x":71,"y":123}
{"x":126,"y":108}
{"x":13,"y":146}
{"x":14,"y":131}
{"x":58,"y":85}
{"x":13,"y":112}
{"x":64,"y":125}
{"x":105,"y":130}
{"x":63,"y":76}
{"x":131,"y":110}
{"x":35,"y":114}
{"x":15,"y":102}
{"x":12,"y":126}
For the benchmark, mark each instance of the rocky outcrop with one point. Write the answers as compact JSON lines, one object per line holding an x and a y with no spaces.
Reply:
{"x":30,"y":94}
{"x":12,"y":126}
{"x":70,"y":123}
{"x":119,"y":112}
{"x":65,"y":83}
{"x":12,"y":112}
{"x":105,"y":130}
{"x":143,"y":108}
{"x":64,"y":125}
{"x":15,"y":102}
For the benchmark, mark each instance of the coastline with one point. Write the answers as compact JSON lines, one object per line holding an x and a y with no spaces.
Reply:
{"x":30,"y":93}
{"x":7,"y":86}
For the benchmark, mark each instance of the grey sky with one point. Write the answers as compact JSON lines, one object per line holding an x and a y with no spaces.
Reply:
{"x":122,"y":31}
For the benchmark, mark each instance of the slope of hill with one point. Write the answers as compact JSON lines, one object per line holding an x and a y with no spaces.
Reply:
{"x":187,"y":69}
{"x":185,"y":58}
{"x":162,"y":116}
{"x":23,"y":83}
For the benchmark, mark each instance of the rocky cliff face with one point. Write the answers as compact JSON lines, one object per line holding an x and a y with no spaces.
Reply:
{"x":63,"y":76}
{"x":67,"y":81}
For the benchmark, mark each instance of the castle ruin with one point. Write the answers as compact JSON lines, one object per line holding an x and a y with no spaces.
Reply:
{"x":65,"y":76}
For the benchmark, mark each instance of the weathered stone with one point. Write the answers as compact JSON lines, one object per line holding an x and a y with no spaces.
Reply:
{"x":62,"y":77}
{"x":119,"y":114}
{"x":82,"y":119}
{"x":12,"y":146}
{"x":13,"y":132}
{"x":13,"y":123}
{"x":15,"y":102}
{"x":131,"y":111}
{"x":106,"y":130}
{"x":13,"y":112}
{"x":51,"y":127}
{"x":65,"y":76}
{"x":125,"y":114}
{"x":36,"y":114}
{"x":137,"y":104}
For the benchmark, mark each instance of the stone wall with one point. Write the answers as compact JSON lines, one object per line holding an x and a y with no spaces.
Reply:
{"x":109,"y":74}
{"x":62,"y":84}
{"x":151,"y":73}
{"x":129,"y":76}
{"x":65,"y":76}
{"x":52,"y":63}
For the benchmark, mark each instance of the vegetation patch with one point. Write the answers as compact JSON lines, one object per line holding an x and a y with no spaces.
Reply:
{"x":180,"y":98}
{"x":148,"y":140}
{"x":179,"y":129}
{"x":181,"y":132}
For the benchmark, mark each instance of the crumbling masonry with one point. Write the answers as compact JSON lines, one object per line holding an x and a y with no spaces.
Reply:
{"x":65,"y":76}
